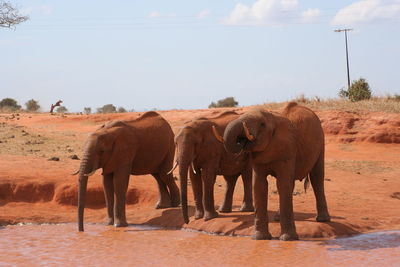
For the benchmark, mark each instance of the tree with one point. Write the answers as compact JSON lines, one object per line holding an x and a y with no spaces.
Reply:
{"x":87,"y":110}
{"x":32,"y":105}
{"x":9,"y":15}
{"x":226,"y":102}
{"x":109,"y":108}
{"x":9,"y":103}
{"x":62,"y":109}
{"x":359,"y":90}
{"x":121,"y":110}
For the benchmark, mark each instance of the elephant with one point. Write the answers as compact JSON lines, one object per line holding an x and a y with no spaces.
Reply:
{"x":140,"y":146}
{"x":205,"y":156}
{"x":289,"y":146}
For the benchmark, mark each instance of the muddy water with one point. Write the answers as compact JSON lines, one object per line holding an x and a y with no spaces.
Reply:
{"x":55,"y":245}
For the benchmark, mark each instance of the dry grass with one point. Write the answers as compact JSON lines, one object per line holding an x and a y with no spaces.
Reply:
{"x":377,"y":104}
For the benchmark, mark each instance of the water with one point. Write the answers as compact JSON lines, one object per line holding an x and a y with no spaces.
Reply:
{"x":99,"y":245}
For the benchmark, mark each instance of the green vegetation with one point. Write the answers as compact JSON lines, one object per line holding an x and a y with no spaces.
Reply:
{"x":9,"y":104}
{"x":121,"y":110}
{"x":61,"y":109}
{"x":32,"y":105}
{"x":359,"y":90}
{"x":87,"y":110}
{"x":109,"y":108}
{"x":226,"y":102}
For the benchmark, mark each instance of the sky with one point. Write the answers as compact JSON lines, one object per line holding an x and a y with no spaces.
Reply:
{"x":170,"y":54}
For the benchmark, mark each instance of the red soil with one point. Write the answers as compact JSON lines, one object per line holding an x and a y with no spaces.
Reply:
{"x":362,"y":185}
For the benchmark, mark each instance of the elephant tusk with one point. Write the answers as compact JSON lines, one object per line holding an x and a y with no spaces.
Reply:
{"x":90,"y":174}
{"x":249,"y":136}
{"x":216,"y":134}
{"x":173,"y":168}
{"x":194,"y":171}
{"x":75,"y":173}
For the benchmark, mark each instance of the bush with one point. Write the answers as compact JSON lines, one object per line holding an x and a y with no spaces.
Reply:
{"x":9,"y":103}
{"x":226,"y":102}
{"x":32,"y":105}
{"x":61,"y":109}
{"x":87,"y":110}
{"x":109,"y":108}
{"x":121,"y":110}
{"x":359,"y":90}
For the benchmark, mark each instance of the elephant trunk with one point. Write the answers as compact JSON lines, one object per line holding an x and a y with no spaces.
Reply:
{"x":235,"y":137}
{"x":184,"y":159}
{"x":83,"y":179}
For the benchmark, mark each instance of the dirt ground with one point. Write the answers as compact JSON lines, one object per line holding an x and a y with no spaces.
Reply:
{"x":38,"y":153}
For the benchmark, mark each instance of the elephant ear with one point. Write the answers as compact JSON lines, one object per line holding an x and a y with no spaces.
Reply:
{"x":124,"y":147}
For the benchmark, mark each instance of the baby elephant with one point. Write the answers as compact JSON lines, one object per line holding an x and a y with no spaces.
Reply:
{"x":201,"y":150}
{"x":141,"y":146}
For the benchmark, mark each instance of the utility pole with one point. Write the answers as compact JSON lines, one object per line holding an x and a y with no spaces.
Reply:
{"x":347,"y":54}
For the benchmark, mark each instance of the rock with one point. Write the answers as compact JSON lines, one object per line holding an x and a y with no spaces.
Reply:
{"x":74,"y":157}
{"x":54,"y":159}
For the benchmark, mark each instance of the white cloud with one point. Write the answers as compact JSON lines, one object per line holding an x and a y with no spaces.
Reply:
{"x":154,"y":14}
{"x":270,"y":12}
{"x":367,"y":11}
{"x":204,"y":13}
{"x":310,"y":15}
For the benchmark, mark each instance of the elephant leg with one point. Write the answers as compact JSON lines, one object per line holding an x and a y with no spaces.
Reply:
{"x":108,"y":185}
{"x":168,"y":179}
{"x":285,"y":184}
{"x":260,"y":192}
{"x":208,"y":178}
{"x":277,"y":216}
{"x":317,"y":176}
{"x":197,"y":187}
{"x":164,"y":200}
{"x":248,"y":194}
{"x":121,"y":181}
{"x":229,"y":189}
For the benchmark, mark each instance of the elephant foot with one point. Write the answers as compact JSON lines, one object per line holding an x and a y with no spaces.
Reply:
{"x":323,"y":218}
{"x":225,"y":209}
{"x":210,"y":215}
{"x":289,"y":237}
{"x":198,"y":214}
{"x":110,"y":221}
{"x":121,"y":224}
{"x":247,"y":207}
{"x":258,"y":235}
{"x":277,"y":217}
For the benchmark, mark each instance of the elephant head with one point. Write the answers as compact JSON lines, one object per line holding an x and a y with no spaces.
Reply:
{"x":251,"y":132}
{"x":186,"y":142}
{"x":110,"y":148}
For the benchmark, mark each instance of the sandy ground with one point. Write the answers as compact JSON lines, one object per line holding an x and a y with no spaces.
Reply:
{"x":362,"y":176}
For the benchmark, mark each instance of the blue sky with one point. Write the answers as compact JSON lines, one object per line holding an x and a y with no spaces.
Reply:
{"x":159,"y":54}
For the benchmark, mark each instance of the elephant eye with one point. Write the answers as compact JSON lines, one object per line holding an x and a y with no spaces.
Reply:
{"x":262,"y":124}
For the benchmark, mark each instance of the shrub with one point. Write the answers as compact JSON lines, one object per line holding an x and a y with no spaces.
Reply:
{"x":121,"y":110}
{"x":9,"y":103}
{"x":226,"y":102}
{"x":87,"y":110}
{"x":359,"y":90}
{"x":109,"y":108}
{"x":32,"y":105}
{"x":61,"y":109}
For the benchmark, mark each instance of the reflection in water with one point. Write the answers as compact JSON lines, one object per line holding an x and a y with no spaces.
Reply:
{"x":44,"y":245}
